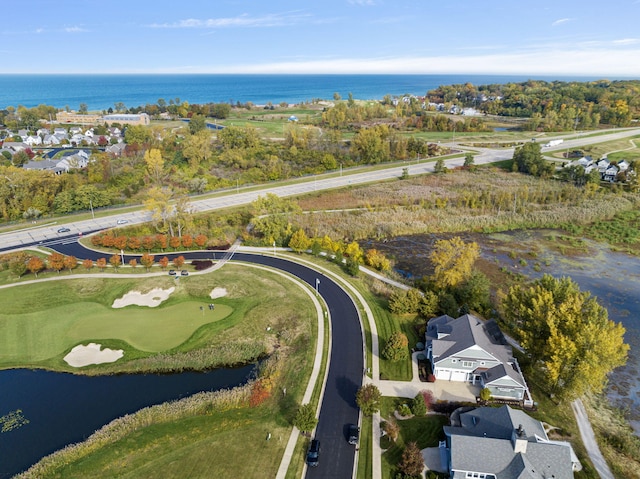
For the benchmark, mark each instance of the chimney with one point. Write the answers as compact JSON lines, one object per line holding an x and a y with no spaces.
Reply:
{"x":519,"y":440}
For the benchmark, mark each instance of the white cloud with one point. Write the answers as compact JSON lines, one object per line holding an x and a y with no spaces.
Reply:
{"x":560,"y":22}
{"x":245,"y":20}
{"x":75,"y":30}
{"x":627,"y":41}
{"x":601,"y":62}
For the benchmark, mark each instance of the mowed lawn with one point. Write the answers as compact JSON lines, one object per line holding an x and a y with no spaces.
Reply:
{"x":46,"y":333}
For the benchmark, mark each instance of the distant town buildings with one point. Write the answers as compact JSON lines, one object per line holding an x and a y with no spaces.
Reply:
{"x":88,"y":118}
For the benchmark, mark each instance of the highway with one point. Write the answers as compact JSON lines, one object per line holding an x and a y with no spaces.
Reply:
{"x":351,"y":177}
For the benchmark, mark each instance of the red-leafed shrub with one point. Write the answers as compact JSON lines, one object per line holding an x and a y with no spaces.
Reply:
{"x":260,"y":392}
{"x":201,"y":264}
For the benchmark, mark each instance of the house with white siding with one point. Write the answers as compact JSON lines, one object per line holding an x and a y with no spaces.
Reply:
{"x":469,"y":349}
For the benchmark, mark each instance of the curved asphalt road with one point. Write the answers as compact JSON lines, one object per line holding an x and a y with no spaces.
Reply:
{"x":346,"y":367}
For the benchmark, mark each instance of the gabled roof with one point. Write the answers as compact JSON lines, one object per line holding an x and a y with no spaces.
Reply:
{"x":499,"y":372}
{"x":463,"y":334}
{"x":483,"y":442}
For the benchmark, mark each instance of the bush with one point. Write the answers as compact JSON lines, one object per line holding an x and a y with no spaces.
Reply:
{"x":202,"y":264}
{"x":418,"y":406}
{"x":404,"y":410}
{"x":305,"y":419}
{"x":428,"y":398}
{"x":396,"y":348}
{"x":485,"y":394}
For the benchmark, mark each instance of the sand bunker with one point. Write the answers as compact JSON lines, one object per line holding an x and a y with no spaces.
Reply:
{"x":90,"y":354}
{"x":218,"y":293}
{"x":152,"y":299}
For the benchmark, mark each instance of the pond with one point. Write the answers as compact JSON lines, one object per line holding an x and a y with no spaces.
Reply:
{"x":63,"y":409}
{"x":614,"y":278}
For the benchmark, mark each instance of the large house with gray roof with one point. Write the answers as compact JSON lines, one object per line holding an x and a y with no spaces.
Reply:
{"x":504,"y":443}
{"x":468,"y":349}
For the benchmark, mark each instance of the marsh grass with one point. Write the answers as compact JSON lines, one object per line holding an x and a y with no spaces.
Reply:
{"x":488,"y":200}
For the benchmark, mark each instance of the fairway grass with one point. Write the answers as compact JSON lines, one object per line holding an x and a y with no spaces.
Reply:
{"x":42,"y":322}
{"x":51,"y":332}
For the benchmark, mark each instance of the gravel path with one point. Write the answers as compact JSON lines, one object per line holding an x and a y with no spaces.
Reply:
{"x":589,"y":440}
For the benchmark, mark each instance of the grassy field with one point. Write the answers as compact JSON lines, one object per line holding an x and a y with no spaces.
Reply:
{"x":186,"y":440}
{"x":222,"y":444}
{"x":426,"y":431}
{"x":41,"y":322}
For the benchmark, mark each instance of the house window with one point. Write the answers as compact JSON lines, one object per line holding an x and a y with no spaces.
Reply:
{"x":467,"y":364}
{"x":481,"y":363}
{"x":454,"y":360}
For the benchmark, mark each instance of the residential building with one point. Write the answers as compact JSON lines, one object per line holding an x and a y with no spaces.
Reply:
{"x":468,"y":349}
{"x":504,"y":443}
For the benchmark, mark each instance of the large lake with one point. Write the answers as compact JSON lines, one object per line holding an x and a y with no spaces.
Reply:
{"x":64,"y":408}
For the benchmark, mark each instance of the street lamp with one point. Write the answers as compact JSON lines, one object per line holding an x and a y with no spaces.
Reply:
{"x":274,"y":248}
{"x":317,"y":284}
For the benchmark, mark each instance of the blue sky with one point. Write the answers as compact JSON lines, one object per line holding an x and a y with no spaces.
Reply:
{"x":563,"y":37}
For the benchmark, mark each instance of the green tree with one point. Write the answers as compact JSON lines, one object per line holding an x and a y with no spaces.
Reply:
{"x":396,"y":347}
{"x":428,"y":306}
{"x":469,"y":160}
{"x":567,"y":332}
{"x":418,"y":405}
{"x":370,"y":144}
{"x":197,"y":148}
{"x":271,"y":218}
{"x":138,"y":135}
{"x":368,"y":399}
{"x":439,"y":167}
{"x":18,"y":266}
{"x":453,"y":261}
{"x":352,"y":266}
{"x":475,"y":292}
{"x":305,"y":419}
{"x":197,"y":123}
{"x":528,"y":159}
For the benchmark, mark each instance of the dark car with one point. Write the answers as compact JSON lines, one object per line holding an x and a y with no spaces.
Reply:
{"x":354,"y":434}
{"x":314,"y":453}
{"x":63,"y":230}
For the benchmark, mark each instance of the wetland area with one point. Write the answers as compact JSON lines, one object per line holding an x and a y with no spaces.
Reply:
{"x":614,"y":278}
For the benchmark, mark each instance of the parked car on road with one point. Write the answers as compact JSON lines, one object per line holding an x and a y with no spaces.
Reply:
{"x":172,"y":272}
{"x":314,"y":453}
{"x":184,"y":272}
{"x":354,"y":434}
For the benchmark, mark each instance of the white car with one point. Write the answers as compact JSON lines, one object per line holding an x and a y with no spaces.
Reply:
{"x":122,"y":222}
